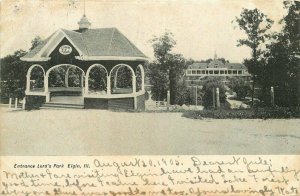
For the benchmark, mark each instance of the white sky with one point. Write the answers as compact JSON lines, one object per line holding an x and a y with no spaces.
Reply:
{"x":200,"y":27}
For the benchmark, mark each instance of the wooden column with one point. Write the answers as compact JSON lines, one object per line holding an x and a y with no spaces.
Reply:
{"x":133,"y":84}
{"x":86,"y":84}
{"x":28,"y":83}
{"x":67,"y":78}
{"x":108,"y":90}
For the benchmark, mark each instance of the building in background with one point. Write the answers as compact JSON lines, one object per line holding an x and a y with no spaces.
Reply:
{"x":198,"y":71}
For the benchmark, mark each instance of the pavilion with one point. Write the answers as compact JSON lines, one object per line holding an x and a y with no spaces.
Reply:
{"x":100,"y":68}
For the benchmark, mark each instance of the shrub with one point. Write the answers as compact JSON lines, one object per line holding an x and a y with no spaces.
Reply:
{"x":240,"y":87}
{"x":208,"y":86}
{"x":256,"y":113}
{"x":11,"y":89}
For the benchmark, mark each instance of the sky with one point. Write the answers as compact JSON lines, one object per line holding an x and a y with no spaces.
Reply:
{"x":200,"y":27}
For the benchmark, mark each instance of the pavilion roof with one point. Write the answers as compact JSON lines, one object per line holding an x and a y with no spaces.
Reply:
{"x":90,"y":43}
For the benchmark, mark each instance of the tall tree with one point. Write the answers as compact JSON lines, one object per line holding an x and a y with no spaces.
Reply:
{"x":255,"y":24}
{"x":169,"y":66}
{"x":282,"y":62}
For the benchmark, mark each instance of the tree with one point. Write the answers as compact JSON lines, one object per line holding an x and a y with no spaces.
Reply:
{"x":158,"y":80}
{"x":255,"y":24}
{"x":209,"y":85}
{"x":168,"y":67}
{"x":240,"y":87}
{"x":36,"y":41}
{"x":282,"y":63}
{"x":13,"y":76}
{"x":13,"y":73}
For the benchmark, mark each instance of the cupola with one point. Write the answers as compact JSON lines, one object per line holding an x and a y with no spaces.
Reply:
{"x":84,"y":23}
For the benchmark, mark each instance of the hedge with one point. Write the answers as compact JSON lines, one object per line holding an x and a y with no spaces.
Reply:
{"x":256,"y":113}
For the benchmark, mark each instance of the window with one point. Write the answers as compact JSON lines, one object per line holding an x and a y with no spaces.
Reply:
{"x":221,"y":72}
{"x":193,"y":71}
{"x":229,"y":72}
{"x":211,"y":72}
{"x":234,"y":71}
{"x":198,"y":72}
{"x":216,"y":72}
{"x":240,"y":72}
{"x":203,"y":71}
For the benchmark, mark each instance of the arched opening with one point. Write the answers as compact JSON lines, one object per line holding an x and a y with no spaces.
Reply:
{"x":35,"y":78}
{"x":65,"y":83}
{"x":122,"y":79}
{"x":96,"y":80}
{"x":57,"y":77}
{"x":140,"y":78}
{"x":73,"y":78}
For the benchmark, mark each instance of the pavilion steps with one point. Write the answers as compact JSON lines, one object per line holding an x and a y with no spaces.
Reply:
{"x":61,"y":106}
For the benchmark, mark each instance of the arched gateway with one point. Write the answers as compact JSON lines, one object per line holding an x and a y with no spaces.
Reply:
{"x":93,"y":68}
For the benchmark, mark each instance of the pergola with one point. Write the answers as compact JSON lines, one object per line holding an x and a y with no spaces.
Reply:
{"x":87,"y":50}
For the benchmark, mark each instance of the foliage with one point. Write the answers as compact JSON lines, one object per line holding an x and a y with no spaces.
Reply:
{"x":13,"y":76}
{"x":240,"y":87}
{"x":255,"y":24}
{"x":57,"y":77}
{"x":159,"y":82}
{"x":282,"y":64}
{"x":184,"y":94}
{"x":167,"y":68}
{"x":208,"y":86}
{"x":255,"y":113}
{"x":97,"y":79}
{"x":223,"y":60}
{"x":35,"y":42}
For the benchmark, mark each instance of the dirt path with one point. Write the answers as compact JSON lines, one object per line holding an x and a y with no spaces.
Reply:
{"x":96,"y":132}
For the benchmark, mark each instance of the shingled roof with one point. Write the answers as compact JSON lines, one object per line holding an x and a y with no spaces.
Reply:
{"x":219,"y":65}
{"x":102,"y":42}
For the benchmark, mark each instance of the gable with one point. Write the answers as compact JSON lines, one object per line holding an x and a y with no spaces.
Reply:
{"x":61,"y":53}
{"x":92,"y":44}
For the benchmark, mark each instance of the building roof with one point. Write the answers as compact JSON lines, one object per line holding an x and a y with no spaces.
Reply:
{"x":101,"y":42}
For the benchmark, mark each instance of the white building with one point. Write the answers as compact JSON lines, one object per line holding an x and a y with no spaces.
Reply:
{"x":197,"y":71}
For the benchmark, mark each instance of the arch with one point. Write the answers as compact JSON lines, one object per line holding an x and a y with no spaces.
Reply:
{"x":88,"y":75}
{"x":133,"y":76}
{"x":46,"y":80}
{"x":33,"y":66}
{"x":143,"y":76}
{"x":28,"y":75}
{"x":118,"y":65}
{"x":59,"y":65}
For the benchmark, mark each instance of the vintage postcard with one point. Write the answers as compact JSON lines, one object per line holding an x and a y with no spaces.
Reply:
{"x":154,"y":97}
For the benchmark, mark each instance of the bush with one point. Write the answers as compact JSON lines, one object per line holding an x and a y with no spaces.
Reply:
{"x":240,"y":87}
{"x":256,"y":113}
{"x":11,"y":89}
{"x":208,"y":86}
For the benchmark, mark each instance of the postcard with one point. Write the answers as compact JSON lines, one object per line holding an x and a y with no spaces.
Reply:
{"x":154,"y":97}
